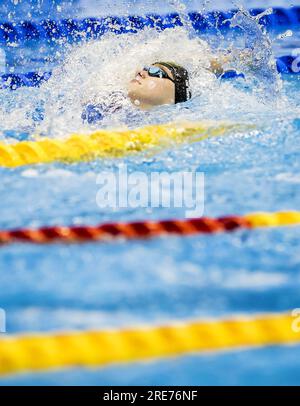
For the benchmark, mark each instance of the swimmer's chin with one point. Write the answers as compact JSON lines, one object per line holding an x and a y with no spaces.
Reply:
{"x":139,"y":105}
{"x":136,"y":102}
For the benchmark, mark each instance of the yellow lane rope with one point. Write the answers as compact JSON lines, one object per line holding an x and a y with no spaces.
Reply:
{"x":99,"y":348}
{"x":109,"y":143}
{"x":281,"y":218}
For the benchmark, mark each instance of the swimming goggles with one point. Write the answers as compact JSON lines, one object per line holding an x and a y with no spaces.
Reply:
{"x":157,"y":72}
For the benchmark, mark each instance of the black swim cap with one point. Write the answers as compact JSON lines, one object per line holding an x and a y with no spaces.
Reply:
{"x":181,"y":77}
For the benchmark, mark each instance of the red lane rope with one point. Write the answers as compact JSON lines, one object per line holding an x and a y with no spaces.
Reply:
{"x":134,"y":230}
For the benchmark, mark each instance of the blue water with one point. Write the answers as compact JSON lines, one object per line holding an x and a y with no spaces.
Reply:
{"x":77,"y":287}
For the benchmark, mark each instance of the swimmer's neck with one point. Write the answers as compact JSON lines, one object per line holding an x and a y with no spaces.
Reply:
{"x":140,"y":105}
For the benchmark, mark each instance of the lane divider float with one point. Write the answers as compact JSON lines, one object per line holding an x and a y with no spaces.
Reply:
{"x":148,"y":229}
{"x":34,"y":352}
{"x":110,"y":143}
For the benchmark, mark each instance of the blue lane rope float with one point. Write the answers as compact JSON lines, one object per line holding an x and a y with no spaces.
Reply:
{"x":286,"y":64}
{"x":72,"y":30}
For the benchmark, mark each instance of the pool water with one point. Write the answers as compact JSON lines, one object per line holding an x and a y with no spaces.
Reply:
{"x":122,"y":284}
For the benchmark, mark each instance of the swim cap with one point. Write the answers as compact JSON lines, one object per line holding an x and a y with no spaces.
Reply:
{"x":181,"y":77}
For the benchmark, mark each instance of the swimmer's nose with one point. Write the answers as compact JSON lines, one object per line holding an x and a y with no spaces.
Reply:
{"x":143,"y":73}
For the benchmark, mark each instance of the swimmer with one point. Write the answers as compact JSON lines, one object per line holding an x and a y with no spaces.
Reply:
{"x":160,"y":84}
{"x":163,"y":83}
{"x":168,"y":83}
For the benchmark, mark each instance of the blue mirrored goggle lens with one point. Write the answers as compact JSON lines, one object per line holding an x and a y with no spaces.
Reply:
{"x":155,"y":71}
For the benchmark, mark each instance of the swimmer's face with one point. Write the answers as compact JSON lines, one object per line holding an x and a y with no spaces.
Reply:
{"x":146,"y":91}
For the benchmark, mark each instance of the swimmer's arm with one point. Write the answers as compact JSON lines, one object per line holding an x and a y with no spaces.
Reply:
{"x":217,"y":65}
{"x":225,"y":61}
